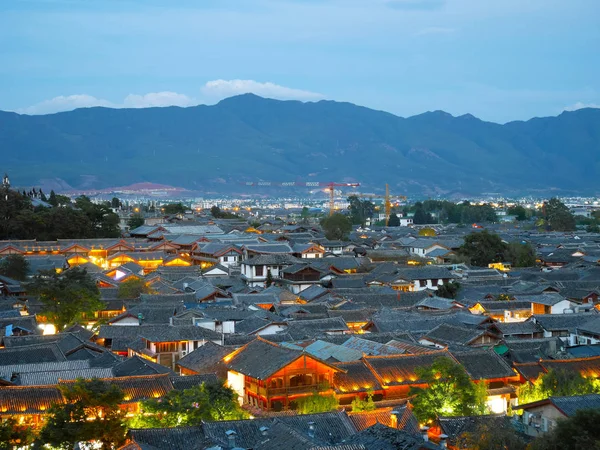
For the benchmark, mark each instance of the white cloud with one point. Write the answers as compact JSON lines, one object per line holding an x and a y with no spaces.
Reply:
{"x":435,"y":30}
{"x":212,"y":91}
{"x":153,"y":99}
{"x":218,"y":89}
{"x":580,"y":105}
{"x":64,"y":103}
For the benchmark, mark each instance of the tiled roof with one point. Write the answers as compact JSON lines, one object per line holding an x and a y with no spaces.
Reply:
{"x":371,"y":348}
{"x":406,"y":420}
{"x":28,"y":399}
{"x":207,"y":356}
{"x":303,"y":329}
{"x":401,"y":369}
{"x":453,"y":427}
{"x":570,"y":405}
{"x":260,"y":359}
{"x":358,"y":378}
{"x":180,"y":438}
{"x":484,"y":364}
{"x":585,"y":366}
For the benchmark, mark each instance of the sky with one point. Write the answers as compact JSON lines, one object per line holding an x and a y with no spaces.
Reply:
{"x":499,"y":60}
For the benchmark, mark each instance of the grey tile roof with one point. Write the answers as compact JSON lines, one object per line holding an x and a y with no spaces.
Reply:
{"x":484,"y":364}
{"x":453,"y":427}
{"x":303,"y":329}
{"x":207,"y":356}
{"x":380,"y":437}
{"x":260,"y":359}
{"x":570,"y":405}
{"x":371,"y":348}
{"x":446,"y":333}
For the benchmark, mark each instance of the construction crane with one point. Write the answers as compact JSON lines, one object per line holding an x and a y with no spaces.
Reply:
{"x":329,"y":186}
{"x":387,"y":201}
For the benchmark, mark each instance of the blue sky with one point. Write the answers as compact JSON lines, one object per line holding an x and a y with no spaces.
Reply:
{"x":497,"y":59}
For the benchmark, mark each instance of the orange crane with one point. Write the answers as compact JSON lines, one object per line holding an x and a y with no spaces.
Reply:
{"x":329,"y":186}
{"x":387,"y":201}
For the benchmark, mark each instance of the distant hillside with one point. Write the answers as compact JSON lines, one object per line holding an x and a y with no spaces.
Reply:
{"x":249,"y":138}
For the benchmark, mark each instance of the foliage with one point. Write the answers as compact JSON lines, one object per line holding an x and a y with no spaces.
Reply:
{"x":488,"y":438}
{"x":427,"y":232}
{"x":448,"y":290}
{"x":174,"y":208}
{"x":421,"y":216}
{"x":269,"y":279}
{"x":19,"y":220}
{"x":13,"y":435}
{"x":336,"y":227}
{"x":449,"y":392}
{"x":208,"y":401}
{"x":580,"y":431}
{"x":133,"y":287}
{"x":557,"y":216}
{"x":115,"y":203}
{"x":360,"y":210}
{"x":483,"y":248}
{"x":305,"y":214}
{"x":216,"y":212}
{"x":135,"y":221}
{"x":520,"y":254}
{"x":394,"y":220}
{"x":91,"y":413}
{"x":503,"y":298}
{"x":557,"y":383}
{"x":67,"y":297}
{"x":519,"y":211}
{"x":359,"y":405}
{"x":316,"y":403}
{"x":15,"y":267}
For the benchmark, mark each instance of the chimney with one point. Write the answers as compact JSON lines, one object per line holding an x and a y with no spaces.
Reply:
{"x":140,"y":318}
{"x":231,"y":438}
{"x":424,"y":430}
{"x":394,"y":419}
{"x":263,"y":430}
{"x":444,"y":440}
{"x":185,"y":285}
{"x":311,"y":429}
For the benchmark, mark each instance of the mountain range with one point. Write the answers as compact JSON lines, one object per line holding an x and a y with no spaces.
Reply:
{"x":249,"y":138}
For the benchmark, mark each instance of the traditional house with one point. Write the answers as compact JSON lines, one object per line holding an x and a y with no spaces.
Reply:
{"x":299,"y":277}
{"x":255,"y":270}
{"x":542,"y":416}
{"x":213,"y":253}
{"x":272,"y":377}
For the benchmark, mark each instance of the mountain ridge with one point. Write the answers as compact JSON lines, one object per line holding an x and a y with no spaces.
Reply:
{"x":250,"y":138}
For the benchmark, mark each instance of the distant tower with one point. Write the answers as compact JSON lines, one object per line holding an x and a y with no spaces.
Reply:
{"x":6,"y":186}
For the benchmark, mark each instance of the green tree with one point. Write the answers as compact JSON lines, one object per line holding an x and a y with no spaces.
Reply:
{"x":360,"y":210}
{"x":578,"y":432}
{"x":483,"y":248}
{"x":67,"y":297}
{"x":519,"y":211}
{"x":394,"y":220}
{"x":557,"y":383}
{"x":336,"y":227}
{"x":208,"y":401}
{"x":449,"y":392}
{"x":133,"y":288}
{"x":316,"y":403}
{"x":115,"y":203}
{"x":105,"y":223}
{"x":52,"y":199}
{"x":367,"y":404}
{"x":557,"y":216}
{"x":520,"y":254}
{"x":15,"y":267}
{"x":305,"y":214}
{"x":135,"y":221}
{"x":448,"y":290}
{"x":215,"y":211}
{"x":174,"y":208}
{"x":486,"y":437}
{"x":421,"y":216}
{"x":91,"y":413}
{"x":13,"y":435}
{"x":269,"y":279}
